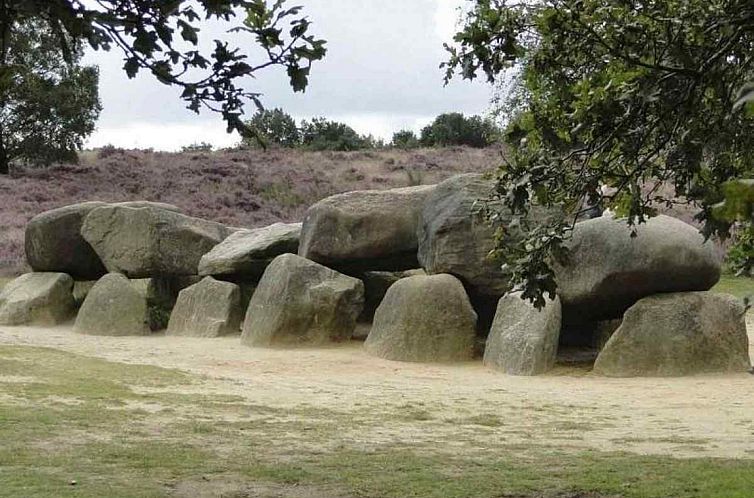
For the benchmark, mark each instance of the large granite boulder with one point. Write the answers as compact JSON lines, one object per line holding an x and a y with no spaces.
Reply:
{"x":424,"y":319}
{"x":113,"y":307}
{"x":38,"y":299}
{"x":247,"y":253}
{"x":210,"y":308}
{"x":53,"y":243}
{"x":365,"y":230}
{"x":607,"y":270}
{"x":523,"y":340}
{"x":53,"y":240}
{"x":376,"y":284}
{"x":454,"y":238}
{"x":678,"y":334}
{"x":148,"y":241}
{"x":302,"y":302}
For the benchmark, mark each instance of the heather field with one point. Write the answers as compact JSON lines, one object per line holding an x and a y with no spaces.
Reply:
{"x":244,"y":188}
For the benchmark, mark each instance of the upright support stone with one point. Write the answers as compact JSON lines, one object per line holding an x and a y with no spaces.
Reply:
{"x":523,"y":340}
{"x":37,"y":298}
{"x":424,"y":319}
{"x":210,"y":308}
{"x":682,"y":333}
{"x":113,"y":307}
{"x":302,"y":302}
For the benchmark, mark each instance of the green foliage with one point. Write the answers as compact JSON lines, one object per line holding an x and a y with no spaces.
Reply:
{"x":456,"y":129}
{"x":197,"y":147}
{"x":627,"y":95}
{"x":274,"y":127}
{"x":323,"y":134}
{"x":405,"y":139}
{"x":162,"y":37}
{"x":48,"y":105}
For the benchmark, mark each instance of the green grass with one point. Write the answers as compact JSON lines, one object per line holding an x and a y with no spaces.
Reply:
{"x":738,"y":286}
{"x":139,"y":431}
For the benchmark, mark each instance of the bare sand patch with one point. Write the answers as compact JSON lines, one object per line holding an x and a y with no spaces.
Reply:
{"x":459,"y":405}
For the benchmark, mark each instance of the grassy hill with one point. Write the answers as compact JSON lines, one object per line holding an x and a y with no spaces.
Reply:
{"x":243,"y":188}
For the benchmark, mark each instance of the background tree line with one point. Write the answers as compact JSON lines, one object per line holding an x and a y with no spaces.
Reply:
{"x":277,"y":128}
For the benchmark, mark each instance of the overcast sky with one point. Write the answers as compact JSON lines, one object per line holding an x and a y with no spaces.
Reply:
{"x":380,"y":74}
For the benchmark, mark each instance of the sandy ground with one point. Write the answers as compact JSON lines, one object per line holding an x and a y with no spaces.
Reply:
{"x":711,"y":415}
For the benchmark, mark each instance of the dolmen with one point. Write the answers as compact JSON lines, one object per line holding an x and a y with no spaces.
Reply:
{"x":411,"y":264}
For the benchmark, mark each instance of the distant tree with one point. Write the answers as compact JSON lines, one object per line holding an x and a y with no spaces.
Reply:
{"x":161,"y":36}
{"x":405,"y":139}
{"x":456,"y":129}
{"x":322,"y":134}
{"x":48,"y":106}
{"x":632,"y":96}
{"x":275,"y":127}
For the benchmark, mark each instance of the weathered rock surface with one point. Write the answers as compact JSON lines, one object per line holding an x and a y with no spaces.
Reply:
{"x":210,"y":308}
{"x":247,"y":253}
{"x":424,"y":319}
{"x":678,"y":334}
{"x":151,"y":204}
{"x":302,"y":302}
{"x":455,"y":239}
{"x":376,"y":284}
{"x":146,"y":242}
{"x":607,"y":270}
{"x":53,"y":242}
{"x":113,"y":307}
{"x":523,"y":340}
{"x":37,"y":298}
{"x":365,"y":230}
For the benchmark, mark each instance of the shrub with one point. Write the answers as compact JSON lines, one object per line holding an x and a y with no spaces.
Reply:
{"x":275,"y":127}
{"x":456,"y":129}
{"x":108,"y":150}
{"x":322,"y":134}
{"x":405,"y":139}
{"x":197,"y":147}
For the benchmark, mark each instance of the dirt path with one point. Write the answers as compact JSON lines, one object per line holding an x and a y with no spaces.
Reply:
{"x":464,"y":404}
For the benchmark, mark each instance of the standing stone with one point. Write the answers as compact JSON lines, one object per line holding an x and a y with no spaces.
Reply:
{"x":38,"y":299}
{"x":424,"y":319}
{"x":302,"y":302}
{"x":606,"y":270}
{"x":523,"y":340}
{"x":247,"y":253}
{"x":113,"y":307}
{"x":678,"y":334}
{"x":147,"y":242}
{"x":365,"y":230}
{"x":210,"y":308}
{"x":53,"y":243}
{"x":376,"y":284}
